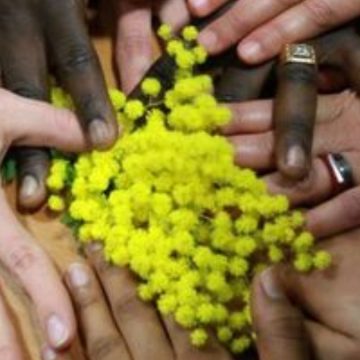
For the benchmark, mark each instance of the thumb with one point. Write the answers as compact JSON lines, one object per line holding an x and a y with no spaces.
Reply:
{"x":35,"y":123}
{"x":279,"y":325}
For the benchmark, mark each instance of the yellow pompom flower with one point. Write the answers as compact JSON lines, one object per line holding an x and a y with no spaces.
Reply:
{"x":199,"y":337}
{"x":168,"y":202}
{"x":224,"y":334}
{"x":165,"y":32}
{"x":56,"y":203}
{"x":322,"y":260}
{"x":240,"y":345}
{"x":118,"y":98}
{"x":190,"y":33}
{"x":303,"y":262}
{"x":185,"y":59}
{"x":151,"y":87}
{"x":134,"y":109}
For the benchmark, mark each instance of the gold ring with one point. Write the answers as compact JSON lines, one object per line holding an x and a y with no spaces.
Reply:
{"x":299,"y":53}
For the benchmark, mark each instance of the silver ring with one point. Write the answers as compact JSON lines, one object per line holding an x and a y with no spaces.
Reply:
{"x":340,"y":172}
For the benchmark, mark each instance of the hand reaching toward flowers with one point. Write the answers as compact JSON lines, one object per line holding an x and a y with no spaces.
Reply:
{"x":26,"y":122}
{"x":37,"y":37}
{"x":262,"y":28}
{"x":134,"y":43}
{"x":336,"y":131}
{"x":314,"y":316}
{"x":127,"y":328}
{"x":330,"y":300}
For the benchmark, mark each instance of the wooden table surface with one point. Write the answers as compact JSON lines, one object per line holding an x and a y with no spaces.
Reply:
{"x":53,"y":237}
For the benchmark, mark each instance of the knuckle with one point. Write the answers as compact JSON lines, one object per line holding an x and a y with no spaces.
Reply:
{"x":229,"y":28}
{"x":85,"y":297}
{"x":27,"y":90}
{"x":343,"y":103}
{"x":127,"y":304}
{"x":321,"y":12}
{"x":8,"y":353}
{"x":299,"y":73}
{"x":32,"y":160}
{"x":77,"y":57}
{"x":23,"y":257}
{"x":63,"y":120}
{"x":133,"y":42}
{"x":104,"y":347}
{"x":300,"y":126}
{"x":283,"y":326}
{"x":350,"y":203}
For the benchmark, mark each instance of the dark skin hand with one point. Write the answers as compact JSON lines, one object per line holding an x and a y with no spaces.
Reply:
{"x":295,"y":99}
{"x":35,"y":38}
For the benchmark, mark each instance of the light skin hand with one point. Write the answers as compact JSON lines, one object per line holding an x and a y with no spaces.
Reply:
{"x":19,"y":253}
{"x":313,"y":316}
{"x":262,"y":28}
{"x":134,"y":43}
{"x":116,"y":324}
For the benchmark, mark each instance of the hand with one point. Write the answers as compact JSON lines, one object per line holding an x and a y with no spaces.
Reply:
{"x":127,"y":328}
{"x":262,"y":28}
{"x":280,"y":327}
{"x":330,"y":300}
{"x":336,"y":131}
{"x":296,"y":315}
{"x":28,"y":122}
{"x":134,"y":43}
{"x":29,"y":31}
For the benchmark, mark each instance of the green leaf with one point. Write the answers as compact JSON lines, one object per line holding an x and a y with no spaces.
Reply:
{"x":9,"y":170}
{"x":71,"y":223}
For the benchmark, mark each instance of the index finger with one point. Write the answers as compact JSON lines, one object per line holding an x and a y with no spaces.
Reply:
{"x":79,"y":70}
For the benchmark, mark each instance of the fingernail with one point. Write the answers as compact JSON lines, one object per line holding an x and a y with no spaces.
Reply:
{"x":78,"y":275}
{"x":209,"y":40}
{"x":270,"y":285}
{"x":29,"y":186}
{"x":250,"y":51}
{"x":94,"y":247}
{"x":57,"y":331}
{"x":48,"y":354}
{"x":99,"y":133}
{"x":199,"y":4}
{"x":296,"y":157}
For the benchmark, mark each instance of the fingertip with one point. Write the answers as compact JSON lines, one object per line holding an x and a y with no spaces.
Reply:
{"x":199,"y":8}
{"x":295,"y":164}
{"x":93,"y":248}
{"x":47,"y":353}
{"x":60,"y":331}
{"x":210,"y":40}
{"x":77,"y":275}
{"x":251,"y":52}
{"x":32,"y":192}
{"x":270,"y":285}
{"x":102,"y":134}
